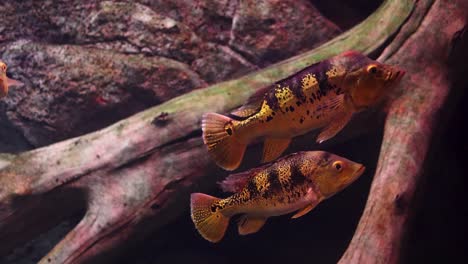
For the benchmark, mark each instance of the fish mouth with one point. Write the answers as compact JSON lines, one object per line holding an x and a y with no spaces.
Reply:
{"x":360,"y":170}
{"x":395,"y":75}
{"x":398,"y":75}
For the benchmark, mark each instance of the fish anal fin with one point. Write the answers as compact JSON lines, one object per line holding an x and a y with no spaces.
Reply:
{"x":250,"y":224}
{"x":274,"y":147}
{"x":304,"y":210}
{"x":335,"y":126}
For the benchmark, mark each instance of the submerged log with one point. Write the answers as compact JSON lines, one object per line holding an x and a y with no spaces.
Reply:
{"x":134,"y":177}
{"x":412,"y":119}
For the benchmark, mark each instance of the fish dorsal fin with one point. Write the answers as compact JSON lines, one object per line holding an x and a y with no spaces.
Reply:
{"x":236,"y":182}
{"x":250,"y":224}
{"x":253,"y":104}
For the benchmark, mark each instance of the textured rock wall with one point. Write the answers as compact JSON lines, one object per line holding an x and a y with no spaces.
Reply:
{"x":87,"y":64}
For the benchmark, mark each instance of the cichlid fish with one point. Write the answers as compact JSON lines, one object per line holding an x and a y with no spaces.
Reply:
{"x":5,"y":82}
{"x":322,"y":96}
{"x":297,"y":182}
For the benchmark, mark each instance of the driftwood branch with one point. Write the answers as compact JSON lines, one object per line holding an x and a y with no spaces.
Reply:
{"x":128,"y":175}
{"x":410,"y":123}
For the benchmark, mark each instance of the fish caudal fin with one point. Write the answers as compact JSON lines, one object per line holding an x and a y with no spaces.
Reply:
{"x":218,"y":136}
{"x":249,"y":225}
{"x":274,"y":147}
{"x":210,"y":224}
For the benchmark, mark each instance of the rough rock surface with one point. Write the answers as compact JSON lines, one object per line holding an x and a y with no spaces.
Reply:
{"x":87,"y":64}
{"x":68,"y":86}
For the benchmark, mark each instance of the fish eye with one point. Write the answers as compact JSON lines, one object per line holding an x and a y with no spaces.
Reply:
{"x":338,"y":165}
{"x":4,"y":67}
{"x":372,"y":69}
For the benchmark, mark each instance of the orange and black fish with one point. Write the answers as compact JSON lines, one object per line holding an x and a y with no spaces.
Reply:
{"x":322,"y":96}
{"x":295,"y":183}
{"x":6,"y":82}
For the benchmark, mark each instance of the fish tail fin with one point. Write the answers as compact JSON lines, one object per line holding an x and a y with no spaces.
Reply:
{"x":211,"y":224}
{"x":219,"y":137}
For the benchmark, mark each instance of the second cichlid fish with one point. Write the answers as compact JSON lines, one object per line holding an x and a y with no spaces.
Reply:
{"x":322,"y":96}
{"x":6,"y":82}
{"x":295,"y":183}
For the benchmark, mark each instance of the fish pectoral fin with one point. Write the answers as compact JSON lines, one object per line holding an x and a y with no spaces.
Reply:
{"x":335,"y":126}
{"x":250,"y":224}
{"x":12,"y":82}
{"x":274,"y":147}
{"x":304,"y":210}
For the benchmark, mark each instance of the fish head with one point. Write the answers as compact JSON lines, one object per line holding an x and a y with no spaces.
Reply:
{"x":367,"y":80}
{"x":334,"y":173}
{"x":3,"y":80}
{"x":3,"y":68}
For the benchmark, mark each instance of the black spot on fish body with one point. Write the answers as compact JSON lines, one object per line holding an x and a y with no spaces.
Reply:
{"x":326,"y":157}
{"x":272,"y":100}
{"x":274,"y":184}
{"x":296,"y":86}
{"x":291,"y":108}
{"x":301,"y":120}
{"x":307,"y":112}
{"x":297,"y":178}
{"x":273,"y":179}
{"x":269,"y":118}
{"x":322,"y":78}
{"x":298,"y":103}
{"x":215,"y":207}
{"x":252,"y":189}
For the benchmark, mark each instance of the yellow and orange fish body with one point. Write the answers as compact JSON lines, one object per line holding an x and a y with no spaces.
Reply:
{"x":322,"y":96}
{"x":297,"y":182}
{"x":6,"y":82}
